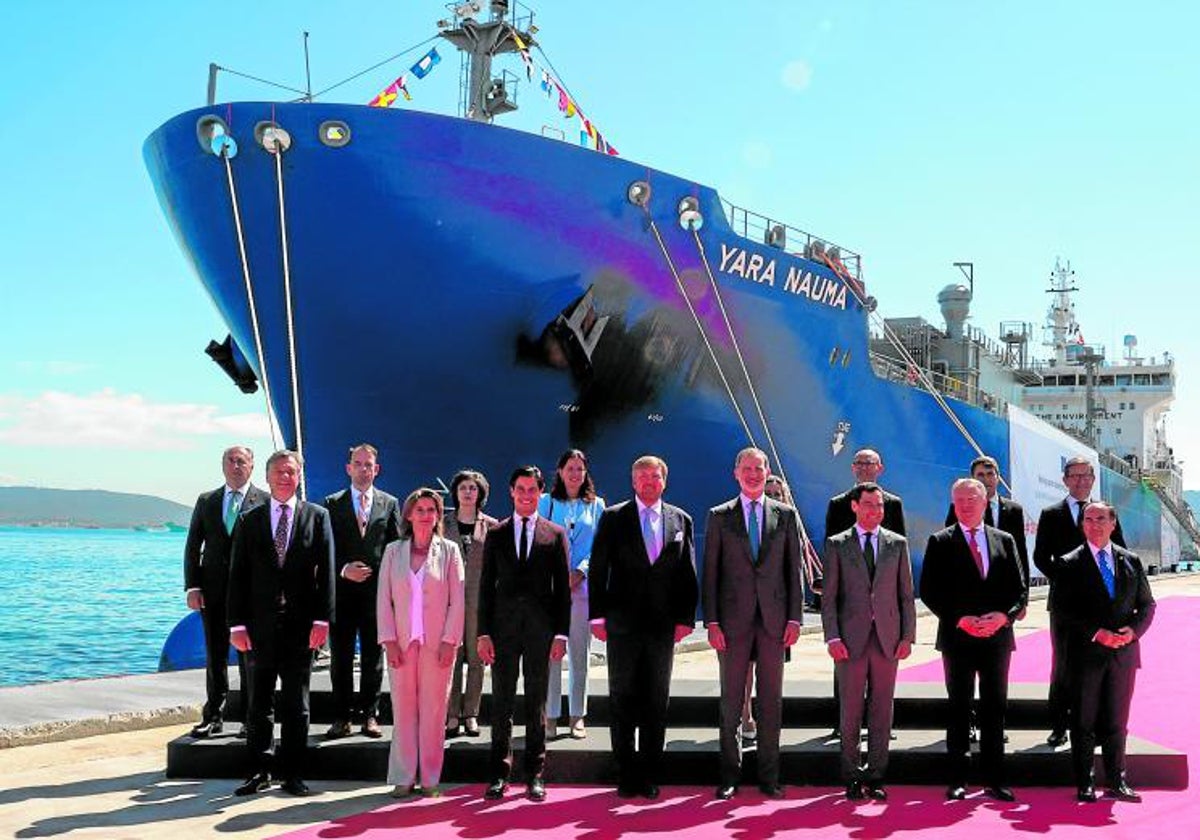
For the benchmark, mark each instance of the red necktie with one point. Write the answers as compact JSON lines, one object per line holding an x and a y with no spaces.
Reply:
{"x":978,"y":557}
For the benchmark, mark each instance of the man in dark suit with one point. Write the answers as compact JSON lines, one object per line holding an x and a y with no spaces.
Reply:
{"x":971,"y":580}
{"x":281,"y":602}
{"x":867,"y":466}
{"x":870,"y":622}
{"x":1104,"y":601}
{"x":1060,"y":530}
{"x":524,"y":621}
{"x":365,"y":519}
{"x":641,"y":601}
{"x":753,"y":607}
{"x":1002,"y":513}
{"x":206,"y":577}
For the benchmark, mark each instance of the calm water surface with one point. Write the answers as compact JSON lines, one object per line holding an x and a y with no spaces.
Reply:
{"x":86,"y":603}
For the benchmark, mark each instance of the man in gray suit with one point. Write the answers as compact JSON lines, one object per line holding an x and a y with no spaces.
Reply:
{"x":869,"y":616}
{"x":753,"y":606}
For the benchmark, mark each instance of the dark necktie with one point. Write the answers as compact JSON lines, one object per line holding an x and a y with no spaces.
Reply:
{"x":523,"y":553}
{"x":869,"y":554}
{"x":753,"y":528}
{"x":988,"y":519}
{"x":1079,"y":515}
{"x":281,"y":535}
{"x":975,"y":553}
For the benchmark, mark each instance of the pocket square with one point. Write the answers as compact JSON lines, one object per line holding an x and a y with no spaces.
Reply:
{"x":678,"y":538}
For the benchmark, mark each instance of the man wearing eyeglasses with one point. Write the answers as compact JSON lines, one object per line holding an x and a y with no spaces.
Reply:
{"x":1060,"y":530}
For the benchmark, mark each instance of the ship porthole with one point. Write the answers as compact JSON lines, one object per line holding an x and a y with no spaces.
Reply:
{"x":213,"y":135}
{"x":334,"y":133}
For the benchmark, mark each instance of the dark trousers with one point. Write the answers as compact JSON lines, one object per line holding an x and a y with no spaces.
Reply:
{"x":962,"y":665}
{"x":355,"y":620}
{"x":868,"y":682}
{"x":523,"y":649}
{"x":765,"y":650}
{"x":639,"y":689}
{"x":288,"y":660}
{"x":216,"y":646}
{"x":1059,"y":699}
{"x":1103,"y":691}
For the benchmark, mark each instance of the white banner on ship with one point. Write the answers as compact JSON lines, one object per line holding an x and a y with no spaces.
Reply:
{"x":1036,"y":454}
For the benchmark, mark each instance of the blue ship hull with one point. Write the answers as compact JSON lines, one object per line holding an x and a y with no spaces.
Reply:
{"x":451,"y":282}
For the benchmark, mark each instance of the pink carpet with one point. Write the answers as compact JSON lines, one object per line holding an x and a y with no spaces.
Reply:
{"x":1165,"y":711}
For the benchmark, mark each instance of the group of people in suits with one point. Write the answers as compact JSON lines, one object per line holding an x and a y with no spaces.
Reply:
{"x":435,"y":592}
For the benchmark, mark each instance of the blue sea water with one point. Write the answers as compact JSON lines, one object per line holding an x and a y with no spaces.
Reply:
{"x":77,"y":603}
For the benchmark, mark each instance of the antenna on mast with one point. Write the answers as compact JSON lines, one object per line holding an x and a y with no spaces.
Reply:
{"x":307,"y":74}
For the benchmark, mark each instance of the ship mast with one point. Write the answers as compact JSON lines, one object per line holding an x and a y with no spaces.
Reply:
{"x":483,"y":96}
{"x":1060,"y":320}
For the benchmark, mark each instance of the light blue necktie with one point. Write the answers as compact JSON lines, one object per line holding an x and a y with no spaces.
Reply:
{"x":753,"y":526}
{"x":1106,"y":572}
{"x":231,"y":512}
{"x":648,"y":535}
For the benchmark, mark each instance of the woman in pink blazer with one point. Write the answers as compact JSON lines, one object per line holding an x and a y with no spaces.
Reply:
{"x":420,"y":613}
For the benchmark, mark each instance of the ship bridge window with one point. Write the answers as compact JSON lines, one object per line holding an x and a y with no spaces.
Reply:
{"x":1123,"y":379}
{"x":1106,"y":381}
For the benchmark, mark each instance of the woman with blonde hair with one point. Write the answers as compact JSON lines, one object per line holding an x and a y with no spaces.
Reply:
{"x":420,"y":612}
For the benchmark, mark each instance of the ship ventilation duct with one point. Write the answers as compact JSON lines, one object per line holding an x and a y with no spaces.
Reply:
{"x":955,"y":301}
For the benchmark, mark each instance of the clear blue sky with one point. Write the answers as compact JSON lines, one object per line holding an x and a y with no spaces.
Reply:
{"x":918,"y":134}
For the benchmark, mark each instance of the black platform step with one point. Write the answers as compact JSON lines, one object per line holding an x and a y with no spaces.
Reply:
{"x":696,"y":703}
{"x":807,"y":757}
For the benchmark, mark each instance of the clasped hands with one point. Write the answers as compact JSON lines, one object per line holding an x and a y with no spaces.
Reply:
{"x":982,"y":626}
{"x":1115,"y":640}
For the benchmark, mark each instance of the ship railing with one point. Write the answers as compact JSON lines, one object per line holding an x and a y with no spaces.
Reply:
{"x":1119,"y":465}
{"x":785,"y":237}
{"x":899,"y":371}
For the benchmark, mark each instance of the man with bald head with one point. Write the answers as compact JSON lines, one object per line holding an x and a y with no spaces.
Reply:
{"x":971,"y":580}
{"x":866,"y":466}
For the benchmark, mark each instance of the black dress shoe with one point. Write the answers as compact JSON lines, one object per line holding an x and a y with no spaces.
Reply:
{"x":339,"y":729}
{"x":1124,"y":793}
{"x":725,"y":792}
{"x":628,"y":791}
{"x":650,"y":791}
{"x":774,"y":791}
{"x":956,"y":792}
{"x":206,"y":728}
{"x":241,"y":733}
{"x":496,"y":789}
{"x":855,"y":792}
{"x":536,"y":791}
{"x":296,"y":787}
{"x":1057,"y":738}
{"x":471,"y":727}
{"x":1000,"y":793}
{"x":255,"y":784}
{"x":371,"y":729}
{"x":1086,"y":794}
{"x":875,"y":792}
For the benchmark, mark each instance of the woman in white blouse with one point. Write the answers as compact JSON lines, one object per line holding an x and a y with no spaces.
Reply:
{"x":420,"y":614}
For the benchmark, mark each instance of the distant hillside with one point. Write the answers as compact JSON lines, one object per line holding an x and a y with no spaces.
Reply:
{"x":88,"y":509}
